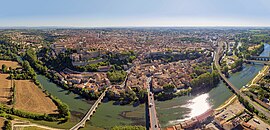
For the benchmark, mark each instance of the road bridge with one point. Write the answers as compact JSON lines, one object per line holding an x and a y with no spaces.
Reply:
{"x":151,"y":108}
{"x":90,"y":112}
{"x":261,"y":58}
{"x":257,"y":61}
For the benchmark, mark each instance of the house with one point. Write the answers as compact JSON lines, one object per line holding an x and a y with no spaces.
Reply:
{"x":245,"y":126}
{"x":203,"y":117}
{"x":104,"y":68}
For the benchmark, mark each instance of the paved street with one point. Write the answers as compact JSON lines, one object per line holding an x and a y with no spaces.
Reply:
{"x":154,"y":124}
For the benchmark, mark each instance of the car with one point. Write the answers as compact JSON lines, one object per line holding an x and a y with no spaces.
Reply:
{"x":257,"y":121}
{"x":150,"y":104}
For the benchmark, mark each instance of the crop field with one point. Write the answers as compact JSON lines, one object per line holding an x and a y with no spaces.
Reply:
{"x":5,"y":88}
{"x":1,"y":122}
{"x":11,"y":64}
{"x":30,"y":98}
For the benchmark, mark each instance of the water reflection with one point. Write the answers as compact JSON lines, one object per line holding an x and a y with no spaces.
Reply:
{"x":199,"y":105}
{"x":174,"y":111}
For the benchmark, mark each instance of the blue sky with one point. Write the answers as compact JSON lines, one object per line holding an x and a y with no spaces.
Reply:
{"x":109,"y":13}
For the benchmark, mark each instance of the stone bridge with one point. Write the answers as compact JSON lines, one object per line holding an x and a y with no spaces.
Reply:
{"x":90,"y":112}
{"x":261,"y":58}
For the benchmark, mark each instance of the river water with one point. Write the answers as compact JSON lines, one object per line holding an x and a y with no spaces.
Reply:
{"x":172,"y":111}
{"x":77,"y":105}
{"x":178,"y":109}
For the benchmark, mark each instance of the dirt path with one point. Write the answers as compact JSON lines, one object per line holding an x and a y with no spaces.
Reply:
{"x":21,"y":124}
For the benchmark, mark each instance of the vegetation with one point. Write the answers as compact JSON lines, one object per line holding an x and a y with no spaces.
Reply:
{"x":13,"y":97}
{"x":206,"y":80}
{"x":7,"y":125}
{"x":237,"y":65}
{"x":23,"y":114}
{"x":8,"y":51}
{"x":252,"y":38}
{"x":117,"y":76}
{"x":26,"y":73}
{"x":251,"y":108}
{"x":128,"y":128}
{"x":162,"y":96}
{"x":169,"y":56}
{"x":4,"y":68}
{"x":127,"y":97}
{"x":31,"y":57}
{"x":63,"y":108}
{"x":225,"y":70}
{"x":192,"y":39}
{"x":200,"y":69}
{"x":169,"y":88}
{"x":261,"y":92}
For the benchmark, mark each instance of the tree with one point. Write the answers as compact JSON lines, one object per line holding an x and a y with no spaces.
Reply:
{"x":206,"y":80}
{"x":4,"y":68}
{"x":168,"y":88}
{"x":117,"y":76}
{"x":247,"y":56}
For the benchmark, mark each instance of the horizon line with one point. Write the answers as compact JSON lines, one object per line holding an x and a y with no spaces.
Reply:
{"x":154,"y":26}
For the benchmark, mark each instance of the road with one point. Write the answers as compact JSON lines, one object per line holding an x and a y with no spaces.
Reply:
{"x":90,"y":112}
{"x":218,"y":54}
{"x":154,"y":124}
{"x":123,"y":84}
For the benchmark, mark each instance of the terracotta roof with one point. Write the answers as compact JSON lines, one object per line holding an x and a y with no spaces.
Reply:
{"x":205,"y":115}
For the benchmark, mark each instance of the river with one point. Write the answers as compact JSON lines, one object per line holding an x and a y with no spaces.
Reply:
{"x":77,"y":105}
{"x":178,"y":109}
{"x":107,"y":115}
{"x":172,"y":111}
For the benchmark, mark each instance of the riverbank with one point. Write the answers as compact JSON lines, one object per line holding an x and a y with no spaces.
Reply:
{"x":230,"y":101}
{"x":227,"y":103}
{"x":174,"y":111}
{"x":232,"y":98}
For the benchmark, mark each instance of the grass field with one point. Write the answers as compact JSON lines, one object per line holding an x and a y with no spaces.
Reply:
{"x":31,"y":99}
{"x":11,"y":64}
{"x":5,"y":88}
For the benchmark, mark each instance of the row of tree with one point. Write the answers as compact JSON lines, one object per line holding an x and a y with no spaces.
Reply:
{"x":206,"y":80}
{"x":24,"y":114}
{"x":27,"y":72}
{"x":127,"y":97}
{"x":251,"y":108}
